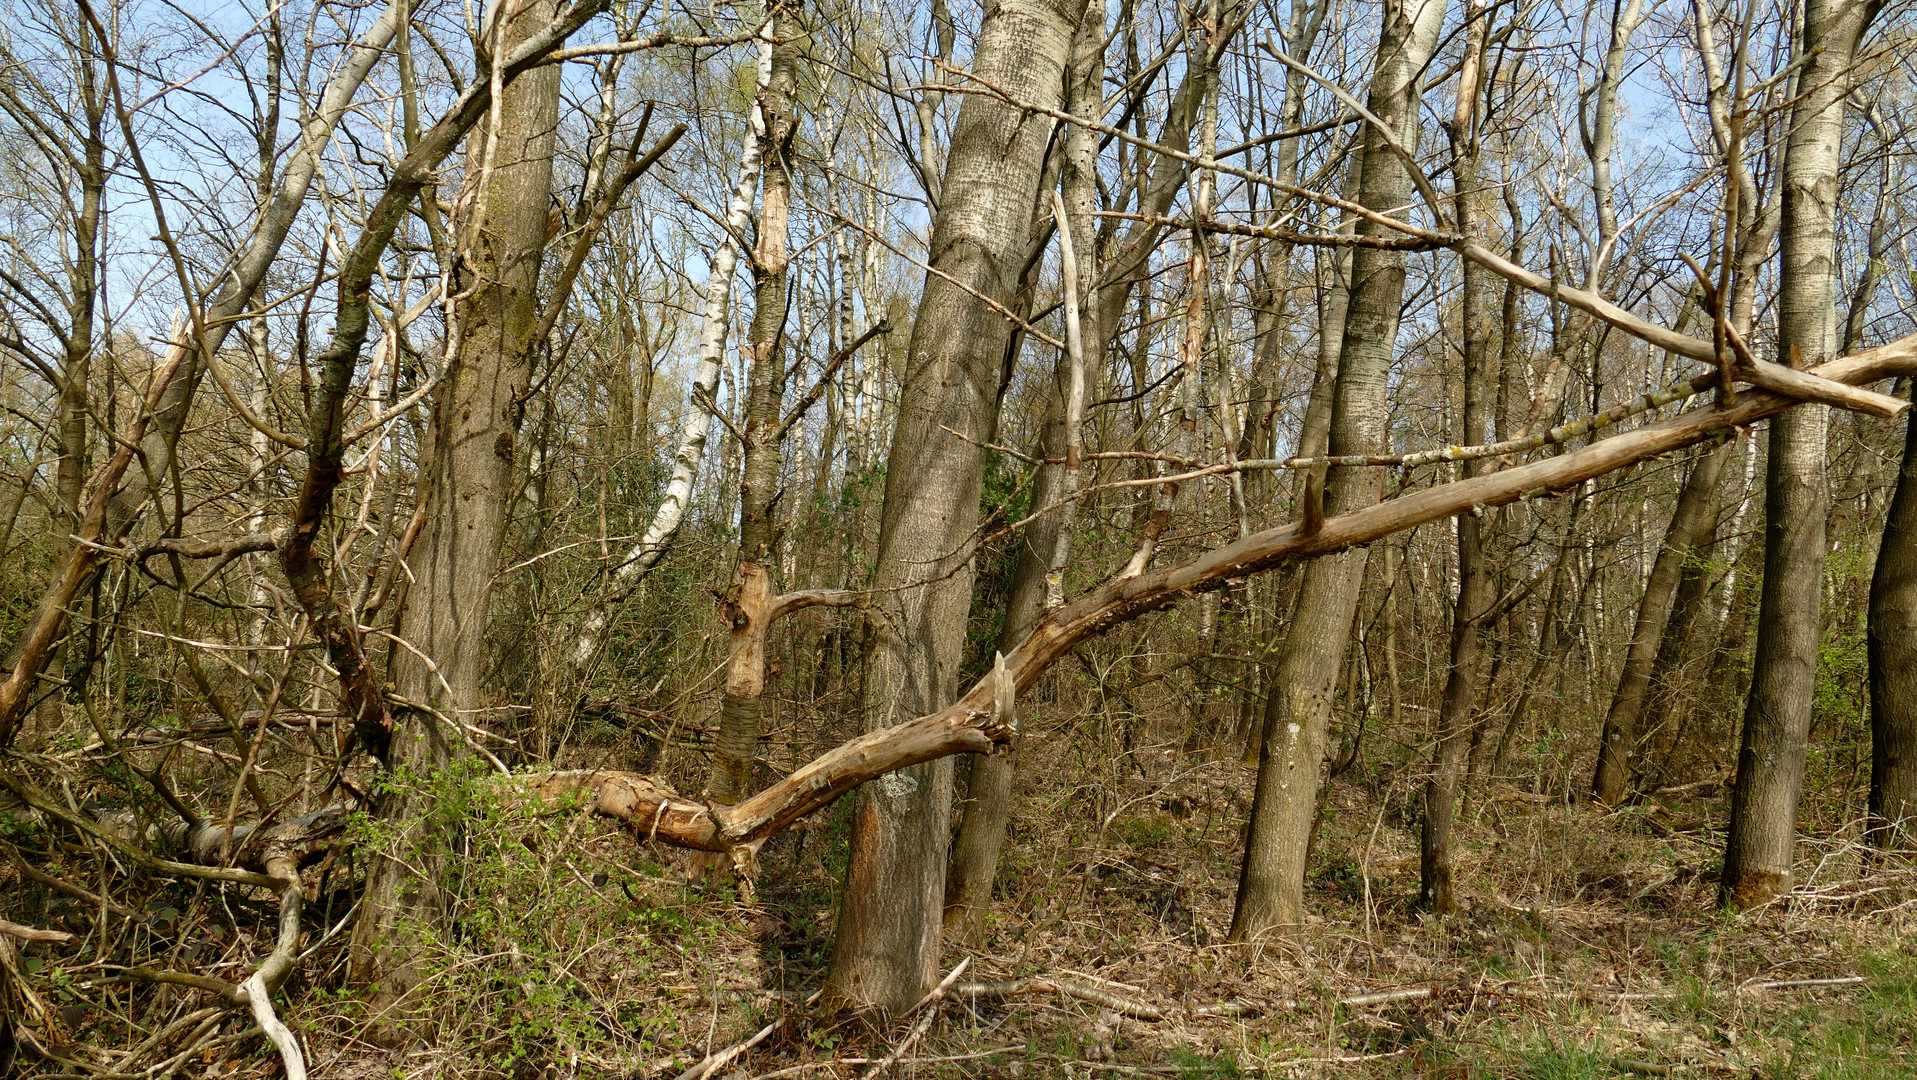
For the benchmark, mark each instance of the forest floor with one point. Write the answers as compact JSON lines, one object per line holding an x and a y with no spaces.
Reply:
{"x":1588,"y":946}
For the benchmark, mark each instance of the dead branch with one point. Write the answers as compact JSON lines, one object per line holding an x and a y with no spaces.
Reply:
{"x":930,"y":1004}
{"x":711,"y":1065}
{"x":28,"y":933}
{"x":969,"y":726}
{"x":1044,"y":984}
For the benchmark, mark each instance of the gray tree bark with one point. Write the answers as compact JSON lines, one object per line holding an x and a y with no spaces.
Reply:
{"x":1770,"y":766}
{"x":475,"y":426}
{"x":1271,"y":882}
{"x":988,"y":788}
{"x":888,"y":933}
{"x":1891,"y":643}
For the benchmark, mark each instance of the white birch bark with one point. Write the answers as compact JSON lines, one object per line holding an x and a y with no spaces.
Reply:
{"x":657,"y":539}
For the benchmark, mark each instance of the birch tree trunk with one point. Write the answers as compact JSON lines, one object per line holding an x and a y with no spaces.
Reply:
{"x":640,"y":558}
{"x":888,"y":933}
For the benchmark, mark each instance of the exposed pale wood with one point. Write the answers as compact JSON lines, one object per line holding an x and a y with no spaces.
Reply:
{"x":968,"y":726}
{"x":29,"y":933}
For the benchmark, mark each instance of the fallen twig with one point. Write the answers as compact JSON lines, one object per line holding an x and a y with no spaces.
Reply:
{"x":930,"y":1004}
{"x":1042,"y":984}
{"x":28,"y":933}
{"x":713,"y":1063}
{"x":804,"y":1067}
{"x":1753,"y":986}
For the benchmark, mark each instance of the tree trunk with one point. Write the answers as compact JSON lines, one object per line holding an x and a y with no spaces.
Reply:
{"x":1892,"y":645}
{"x":476,"y":420}
{"x":1457,"y":709}
{"x":746,"y":613}
{"x":1038,"y":577}
{"x":888,"y":934}
{"x":988,"y":789}
{"x":1689,"y":530}
{"x":1271,"y":883}
{"x":1770,"y":768}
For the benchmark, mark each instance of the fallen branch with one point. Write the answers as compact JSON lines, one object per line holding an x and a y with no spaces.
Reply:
{"x":1045,"y":984}
{"x":808,"y":1066}
{"x":1754,"y":986}
{"x":970,"y":724}
{"x":714,"y":1062}
{"x":28,"y":933}
{"x":930,"y":1004}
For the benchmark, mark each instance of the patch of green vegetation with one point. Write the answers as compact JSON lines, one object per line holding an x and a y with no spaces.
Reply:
{"x":1196,"y":1066}
{"x":1145,"y":832}
{"x":1556,"y":1061}
{"x":1871,"y":1036}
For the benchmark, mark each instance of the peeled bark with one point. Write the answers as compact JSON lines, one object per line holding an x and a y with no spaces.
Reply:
{"x":888,"y":935}
{"x":1298,"y":711}
{"x":742,"y":710}
{"x":1770,"y":770}
{"x":1689,"y":530}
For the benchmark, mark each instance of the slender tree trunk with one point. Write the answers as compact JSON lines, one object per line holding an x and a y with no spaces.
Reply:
{"x":1457,"y":709}
{"x":1892,"y":646}
{"x":988,"y":789}
{"x":475,"y":428}
{"x":1770,"y":772}
{"x":1271,"y":883}
{"x":888,"y":945}
{"x":746,"y":612}
{"x":1689,"y":531}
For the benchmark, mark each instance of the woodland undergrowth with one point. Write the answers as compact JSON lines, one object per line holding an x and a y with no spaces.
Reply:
{"x":1588,"y":947}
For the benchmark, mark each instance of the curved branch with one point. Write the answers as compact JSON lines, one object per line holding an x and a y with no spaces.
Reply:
{"x":972,"y":724}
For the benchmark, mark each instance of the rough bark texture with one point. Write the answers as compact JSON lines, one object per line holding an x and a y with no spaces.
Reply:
{"x":1892,"y":646}
{"x":888,"y":942}
{"x":1458,"y":707}
{"x":1271,"y":882}
{"x":741,"y":713}
{"x":1689,"y":530}
{"x":476,"y":420}
{"x":971,"y":724}
{"x":1037,"y":579}
{"x":1770,"y":765}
